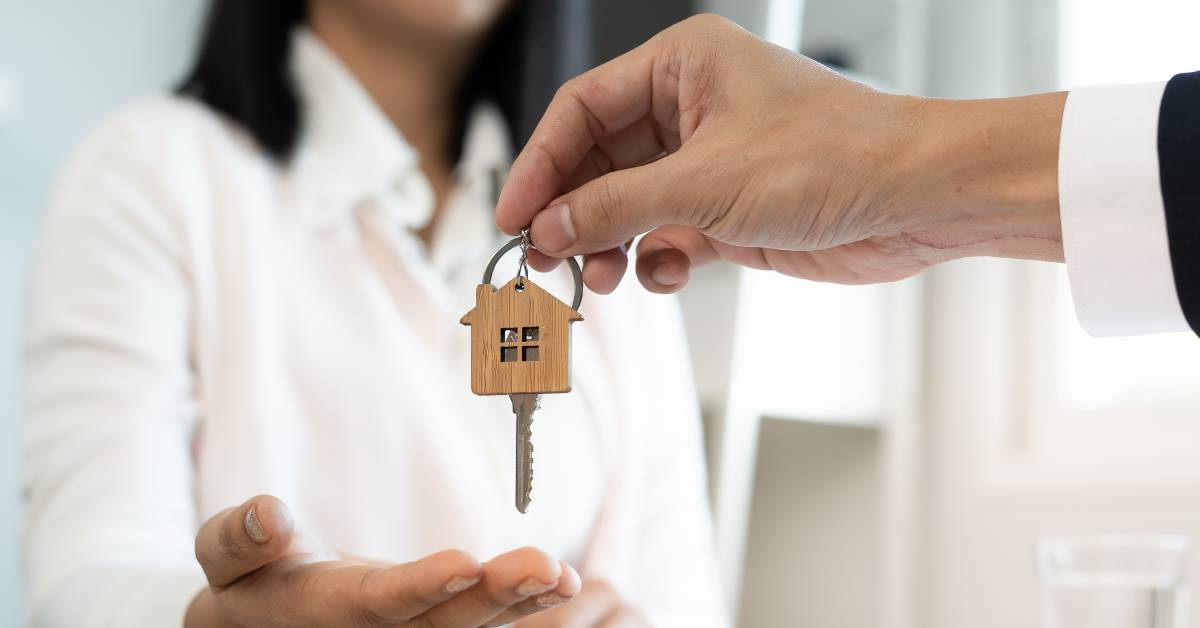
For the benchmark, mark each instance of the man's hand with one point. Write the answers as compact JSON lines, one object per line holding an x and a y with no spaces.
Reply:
{"x":264,"y":573}
{"x":598,"y":605}
{"x":721,"y":145}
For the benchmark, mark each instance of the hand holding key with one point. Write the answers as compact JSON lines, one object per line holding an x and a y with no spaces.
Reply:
{"x":264,"y":571}
{"x":719,"y":145}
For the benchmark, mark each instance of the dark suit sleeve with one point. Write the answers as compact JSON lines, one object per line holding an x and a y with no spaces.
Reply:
{"x":1179,"y":174}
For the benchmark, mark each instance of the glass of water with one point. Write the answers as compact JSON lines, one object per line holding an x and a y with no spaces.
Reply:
{"x":1113,"y":581}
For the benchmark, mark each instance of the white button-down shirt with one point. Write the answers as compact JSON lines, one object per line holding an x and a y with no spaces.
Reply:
{"x":1113,"y":223}
{"x":207,"y":325}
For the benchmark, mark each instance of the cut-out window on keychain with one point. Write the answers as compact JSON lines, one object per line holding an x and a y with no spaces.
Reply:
{"x":508,"y":354}
{"x":508,"y":334}
{"x":529,"y":334}
{"x":529,"y":353}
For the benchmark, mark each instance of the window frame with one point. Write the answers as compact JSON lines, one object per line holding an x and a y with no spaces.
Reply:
{"x":1034,"y":443}
{"x":522,"y":344}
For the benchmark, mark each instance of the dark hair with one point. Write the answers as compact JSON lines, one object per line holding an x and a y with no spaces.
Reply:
{"x":241,"y":70}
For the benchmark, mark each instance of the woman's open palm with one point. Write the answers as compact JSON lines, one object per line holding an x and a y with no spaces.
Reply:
{"x":263,"y":572}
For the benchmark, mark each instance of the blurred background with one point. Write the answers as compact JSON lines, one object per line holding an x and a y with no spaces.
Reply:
{"x":880,"y":456}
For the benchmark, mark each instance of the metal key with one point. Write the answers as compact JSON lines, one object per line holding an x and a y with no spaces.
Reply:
{"x":523,"y":405}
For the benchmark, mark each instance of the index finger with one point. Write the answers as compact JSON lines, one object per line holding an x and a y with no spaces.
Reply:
{"x":507,"y":580}
{"x":401,"y":592}
{"x":584,"y":110}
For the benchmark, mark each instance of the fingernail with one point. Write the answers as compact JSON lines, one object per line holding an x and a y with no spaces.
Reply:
{"x":254,"y":527}
{"x":458,"y":584}
{"x":664,"y":275}
{"x":554,"y":228}
{"x":533,"y":587}
{"x":549,"y":600}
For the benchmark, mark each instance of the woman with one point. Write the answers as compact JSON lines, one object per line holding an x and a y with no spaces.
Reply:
{"x":254,"y":289}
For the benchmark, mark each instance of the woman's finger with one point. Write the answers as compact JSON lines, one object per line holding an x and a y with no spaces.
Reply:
{"x":624,"y":617}
{"x":238,"y":541}
{"x":506,"y":580}
{"x":401,"y":592}
{"x":596,"y":601}
{"x":549,"y":604}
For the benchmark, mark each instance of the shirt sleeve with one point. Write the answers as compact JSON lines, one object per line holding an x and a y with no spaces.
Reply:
{"x":1113,"y":222}
{"x":110,"y":406}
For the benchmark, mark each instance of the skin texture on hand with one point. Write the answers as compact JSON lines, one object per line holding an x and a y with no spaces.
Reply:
{"x":264,"y":572}
{"x":718,"y":145}
{"x":598,"y":605}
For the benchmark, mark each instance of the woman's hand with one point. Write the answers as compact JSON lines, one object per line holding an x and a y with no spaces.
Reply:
{"x":263,"y":573}
{"x":598,"y":605}
{"x":724,"y":146}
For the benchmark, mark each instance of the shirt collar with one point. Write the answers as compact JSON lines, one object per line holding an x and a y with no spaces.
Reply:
{"x":350,"y":153}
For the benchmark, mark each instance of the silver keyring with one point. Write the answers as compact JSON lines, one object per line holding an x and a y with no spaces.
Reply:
{"x":515,"y":242}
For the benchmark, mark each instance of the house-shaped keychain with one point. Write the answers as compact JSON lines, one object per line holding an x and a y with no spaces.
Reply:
{"x":520,"y":335}
{"x":521,"y":347}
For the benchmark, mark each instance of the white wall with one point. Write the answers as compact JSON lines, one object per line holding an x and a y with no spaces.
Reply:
{"x":63,"y":64}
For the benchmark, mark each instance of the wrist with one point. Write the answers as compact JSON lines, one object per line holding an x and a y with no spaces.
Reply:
{"x":980,"y":177}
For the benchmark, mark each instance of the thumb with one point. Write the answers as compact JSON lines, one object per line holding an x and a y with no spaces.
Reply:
{"x":238,"y":541}
{"x":607,"y":212}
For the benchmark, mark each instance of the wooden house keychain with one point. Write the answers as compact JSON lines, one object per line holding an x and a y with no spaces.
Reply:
{"x":521,"y":347}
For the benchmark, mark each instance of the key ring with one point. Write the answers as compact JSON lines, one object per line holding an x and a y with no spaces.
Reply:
{"x":523,"y":262}
{"x":523,"y":242}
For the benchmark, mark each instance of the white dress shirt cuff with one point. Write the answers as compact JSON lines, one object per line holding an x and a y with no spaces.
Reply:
{"x":1113,"y":223}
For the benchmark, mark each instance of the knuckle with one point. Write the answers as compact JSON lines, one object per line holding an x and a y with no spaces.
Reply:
{"x":347,"y":600}
{"x":228,"y":547}
{"x":712,"y":210}
{"x":205,"y":559}
{"x":559,"y":94}
{"x":609,"y":197}
{"x":593,"y":89}
{"x":710,"y":21}
{"x":206,"y":555}
{"x":539,"y":563}
{"x":570,"y":86}
{"x":529,"y":552}
{"x":420,"y":621}
{"x":363,"y":616}
{"x":602,"y":588}
{"x":458,"y":559}
{"x":600,"y":162}
{"x":203,"y":556}
{"x":588,"y":87}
